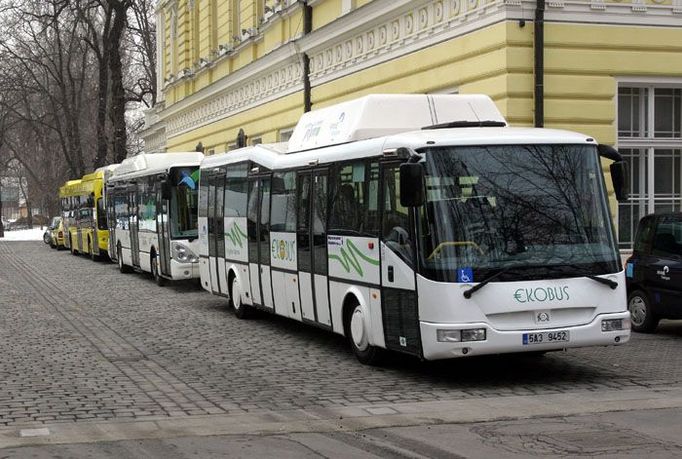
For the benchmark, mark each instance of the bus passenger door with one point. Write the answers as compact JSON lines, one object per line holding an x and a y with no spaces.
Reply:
{"x":258,"y":229}
{"x":312,"y":246}
{"x":163,"y":232}
{"x":134,"y":241}
{"x":220,"y":286}
{"x":399,"y":306}
{"x":210,"y":178}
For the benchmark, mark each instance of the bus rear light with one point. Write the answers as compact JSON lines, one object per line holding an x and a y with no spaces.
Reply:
{"x":608,"y":325}
{"x":456,"y":336}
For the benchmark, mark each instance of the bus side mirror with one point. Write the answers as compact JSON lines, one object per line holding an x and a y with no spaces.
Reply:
{"x":619,"y":177}
{"x":165,"y":190}
{"x":411,"y":185}
{"x":619,"y":171}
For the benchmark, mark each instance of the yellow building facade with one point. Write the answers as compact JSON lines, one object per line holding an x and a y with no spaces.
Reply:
{"x":610,"y":69}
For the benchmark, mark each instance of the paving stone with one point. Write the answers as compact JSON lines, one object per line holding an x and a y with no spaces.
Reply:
{"x":82,"y":343}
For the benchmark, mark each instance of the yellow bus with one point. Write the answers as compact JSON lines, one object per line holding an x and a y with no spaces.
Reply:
{"x":69,"y":199}
{"x":92,"y":234}
{"x":83,"y":202}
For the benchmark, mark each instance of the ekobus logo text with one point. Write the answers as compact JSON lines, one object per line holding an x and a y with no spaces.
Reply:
{"x":541,"y":294}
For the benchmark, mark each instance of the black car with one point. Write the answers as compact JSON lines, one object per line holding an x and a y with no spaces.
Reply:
{"x":654,"y":271}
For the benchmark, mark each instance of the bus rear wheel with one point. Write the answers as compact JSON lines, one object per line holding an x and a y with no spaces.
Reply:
{"x":358,"y":336}
{"x":241,"y":310}
{"x":156,"y":274}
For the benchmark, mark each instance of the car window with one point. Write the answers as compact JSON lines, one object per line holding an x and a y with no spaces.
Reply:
{"x":668,"y":237}
{"x":644,"y":235}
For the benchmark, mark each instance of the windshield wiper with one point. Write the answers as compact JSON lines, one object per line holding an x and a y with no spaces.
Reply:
{"x":467,"y":293}
{"x":601,"y":280}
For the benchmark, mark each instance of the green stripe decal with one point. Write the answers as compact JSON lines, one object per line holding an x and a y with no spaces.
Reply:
{"x":348,"y":259}
{"x":235,"y":235}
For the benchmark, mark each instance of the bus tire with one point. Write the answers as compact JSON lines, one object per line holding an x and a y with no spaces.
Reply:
{"x":358,"y":336}
{"x":122,"y":267}
{"x":93,"y":256}
{"x":156,"y":274}
{"x":241,"y":310}
{"x":73,"y":249}
{"x":642,"y":318}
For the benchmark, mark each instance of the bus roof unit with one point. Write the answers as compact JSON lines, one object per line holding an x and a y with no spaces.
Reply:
{"x":154,"y":163}
{"x":386,"y":114}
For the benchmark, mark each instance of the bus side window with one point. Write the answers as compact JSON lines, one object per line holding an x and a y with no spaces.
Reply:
{"x":354,"y":206}
{"x":395,"y":225}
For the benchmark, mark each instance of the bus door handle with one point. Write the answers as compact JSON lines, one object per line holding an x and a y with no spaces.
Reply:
{"x":390,"y":273}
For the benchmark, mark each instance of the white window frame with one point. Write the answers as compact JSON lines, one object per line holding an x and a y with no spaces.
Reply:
{"x":648,"y":142}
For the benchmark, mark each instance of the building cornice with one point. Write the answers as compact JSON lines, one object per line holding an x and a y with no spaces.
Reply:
{"x":381,"y":31}
{"x":271,"y":77}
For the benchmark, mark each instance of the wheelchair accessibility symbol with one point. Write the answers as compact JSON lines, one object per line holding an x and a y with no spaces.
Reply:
{"x":465,"y":275}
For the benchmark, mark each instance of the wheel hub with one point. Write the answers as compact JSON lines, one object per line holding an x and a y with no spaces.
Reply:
{"x":637,"y":310}
{"x":357,"y":329}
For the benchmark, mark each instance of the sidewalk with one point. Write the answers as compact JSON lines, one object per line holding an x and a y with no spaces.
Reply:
{"x":627,"y":423}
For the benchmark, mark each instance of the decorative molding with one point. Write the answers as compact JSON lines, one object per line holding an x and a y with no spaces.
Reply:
{"x":677,"y":6}
{"x":266,"y":86}
{"x":377,"y":32}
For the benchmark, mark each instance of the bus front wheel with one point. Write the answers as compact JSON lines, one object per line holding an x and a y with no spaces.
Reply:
{"x":242,"y":311}
{"x":358,"y":336}
{"x":122,"y":267}
{"x":93,"y":255}
{"x":156,"y":274}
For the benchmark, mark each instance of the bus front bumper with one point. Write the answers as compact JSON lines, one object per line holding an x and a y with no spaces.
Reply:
{"x":507,"y":341}
{"x":180,"y":271}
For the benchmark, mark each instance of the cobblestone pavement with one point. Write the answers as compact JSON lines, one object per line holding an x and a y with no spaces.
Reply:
{"x":82,"y":342}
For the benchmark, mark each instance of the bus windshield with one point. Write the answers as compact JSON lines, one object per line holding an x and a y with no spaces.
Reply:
{"x":184,"y":202}
{"x":534,"y":211}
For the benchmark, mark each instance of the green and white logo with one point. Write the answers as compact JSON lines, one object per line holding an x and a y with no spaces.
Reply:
{"x":351,"y":257}
{"x":235,"y":235}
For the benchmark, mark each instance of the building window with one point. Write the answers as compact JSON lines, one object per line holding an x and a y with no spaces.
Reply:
{"x":650,"y":139}
{"x":285,"y":134}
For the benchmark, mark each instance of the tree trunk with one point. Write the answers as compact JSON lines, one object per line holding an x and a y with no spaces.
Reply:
{"x":118,"y":99}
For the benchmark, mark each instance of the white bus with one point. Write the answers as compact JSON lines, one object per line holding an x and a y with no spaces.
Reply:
{"x":152,"y":215}
{"x":420,"y":224}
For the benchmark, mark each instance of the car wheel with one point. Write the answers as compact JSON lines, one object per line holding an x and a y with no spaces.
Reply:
{"x":74,"y":251}
{"x":358,"y":336}
{"x":156,"y":274}
{"x":241,"y":310}
{"x":642,"y":318}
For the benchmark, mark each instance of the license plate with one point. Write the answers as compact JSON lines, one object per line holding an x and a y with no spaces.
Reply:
{"x":546,"y":337}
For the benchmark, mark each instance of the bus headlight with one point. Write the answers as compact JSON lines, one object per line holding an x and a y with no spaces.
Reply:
{"x":608,"y":325}
{"x":183,"y":254}
{"x":449,"y":336}
{"x":456,"y":336}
